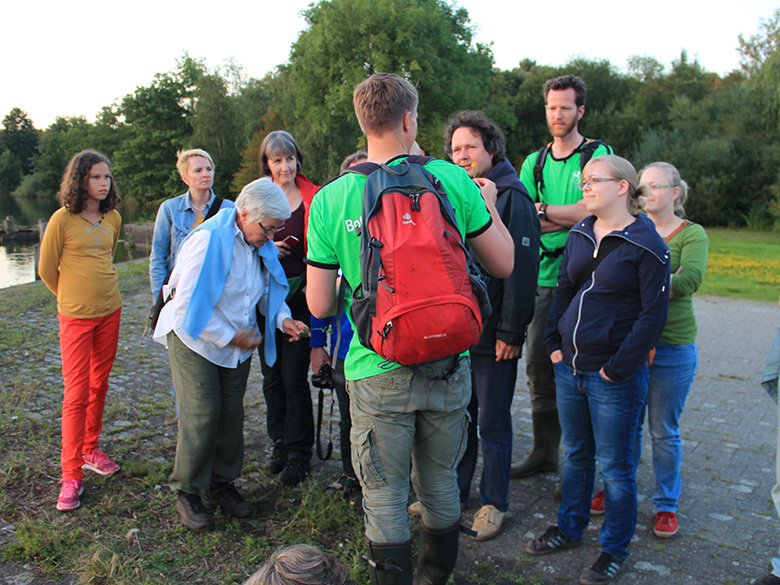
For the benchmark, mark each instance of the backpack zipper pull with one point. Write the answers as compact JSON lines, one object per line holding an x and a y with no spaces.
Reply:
{"x":415,"y":201}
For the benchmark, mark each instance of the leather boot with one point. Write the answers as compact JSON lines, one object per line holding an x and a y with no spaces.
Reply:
{"x":438,"y":554}
{"x":390,"y":563}
{"x":547,"y":440}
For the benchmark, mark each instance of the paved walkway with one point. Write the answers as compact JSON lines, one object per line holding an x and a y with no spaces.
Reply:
{"x":728,"y":528}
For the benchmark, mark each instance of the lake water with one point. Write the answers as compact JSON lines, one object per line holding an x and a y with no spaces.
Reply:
{"x":17,"y":261}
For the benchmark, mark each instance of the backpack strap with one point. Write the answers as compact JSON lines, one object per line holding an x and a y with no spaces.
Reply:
{"x":588,"y":148}
{"x":538,"y":166}
{"x":680,"y":228}
{"x":366,"y":168}
{"x":607,"y":246}
{"x":214,"y":208}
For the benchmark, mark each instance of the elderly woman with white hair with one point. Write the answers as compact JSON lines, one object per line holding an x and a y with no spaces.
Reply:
{"x":226,"y":273}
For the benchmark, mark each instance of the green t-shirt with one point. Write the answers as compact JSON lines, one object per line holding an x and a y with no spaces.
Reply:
{"x":561,"y":180}
{"x":333,"y":239}
{"x":688,"y":248}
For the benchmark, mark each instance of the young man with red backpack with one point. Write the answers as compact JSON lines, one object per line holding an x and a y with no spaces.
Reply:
{"x":403,"y":416}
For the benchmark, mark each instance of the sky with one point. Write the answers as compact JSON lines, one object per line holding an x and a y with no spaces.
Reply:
{"x":68,"y":58}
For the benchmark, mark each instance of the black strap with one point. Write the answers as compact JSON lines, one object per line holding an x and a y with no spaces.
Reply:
{"x":214,"y":208}
{"x":320,"y":408}
{"x":160,"y":302}
{"x":538,"y":166}
{"x":607,"y":246}
{"x":586,"y":150}
{"x":334,"y":357}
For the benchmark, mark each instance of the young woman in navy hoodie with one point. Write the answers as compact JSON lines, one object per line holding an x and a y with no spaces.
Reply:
{"x":607,"y":314}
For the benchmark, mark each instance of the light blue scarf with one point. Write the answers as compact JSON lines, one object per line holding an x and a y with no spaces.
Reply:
{"x":213,"y":273}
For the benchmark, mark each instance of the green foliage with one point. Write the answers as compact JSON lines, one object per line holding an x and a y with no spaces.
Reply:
{"x":19,"y":136}
{"x":10,"y":171}
{"x":426,"y":41}
{"x":145,"y":164}
{"x":713,"y":129}
{"x":216,"y":129}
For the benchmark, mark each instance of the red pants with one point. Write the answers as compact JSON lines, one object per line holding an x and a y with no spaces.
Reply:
{"x":88,"y":349}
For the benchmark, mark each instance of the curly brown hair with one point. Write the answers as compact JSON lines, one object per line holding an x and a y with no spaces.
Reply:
{"x":73,"y":189}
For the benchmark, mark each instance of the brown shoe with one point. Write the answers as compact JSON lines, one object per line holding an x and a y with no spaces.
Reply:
{"x":487,"y":523}
{"x":191,"y":511}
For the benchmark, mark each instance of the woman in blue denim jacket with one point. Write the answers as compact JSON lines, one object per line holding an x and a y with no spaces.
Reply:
{"x":599,"y":332}
{"x":177,"y":217}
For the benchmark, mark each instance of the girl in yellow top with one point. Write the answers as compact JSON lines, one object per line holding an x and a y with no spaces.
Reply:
{"x":76,"y":263}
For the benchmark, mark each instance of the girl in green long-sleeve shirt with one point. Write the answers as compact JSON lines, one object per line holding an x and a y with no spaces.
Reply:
{"x":676,"y":357}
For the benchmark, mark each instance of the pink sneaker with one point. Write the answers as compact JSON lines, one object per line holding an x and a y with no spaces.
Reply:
{"x":69,"y":495}
{"x":99,"y":462}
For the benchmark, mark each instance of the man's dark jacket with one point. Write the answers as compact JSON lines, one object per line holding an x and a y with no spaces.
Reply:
{"x":513,"y":298}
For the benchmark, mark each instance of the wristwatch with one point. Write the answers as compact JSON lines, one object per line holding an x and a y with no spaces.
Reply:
{"x":543,"y":211}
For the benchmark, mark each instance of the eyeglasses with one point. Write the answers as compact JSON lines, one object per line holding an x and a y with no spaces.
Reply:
{"x":654,"y":188}
{"x":271,"y":231}
{"x":591,"y":182}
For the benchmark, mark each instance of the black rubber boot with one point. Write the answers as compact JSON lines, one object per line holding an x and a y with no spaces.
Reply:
{"x":390,"y":563}
{"x":438,"y":554}
{"x":547,"y":440}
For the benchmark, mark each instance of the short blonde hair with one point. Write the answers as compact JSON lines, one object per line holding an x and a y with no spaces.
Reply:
{"x":381,"y":102}
{"x":183,"y":157}
{"x":300,"y":564}
{"x":622,"y":170}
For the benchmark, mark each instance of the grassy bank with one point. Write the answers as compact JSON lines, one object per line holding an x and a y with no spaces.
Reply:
{"x":743,"y":264}
{"x":127,"y":531}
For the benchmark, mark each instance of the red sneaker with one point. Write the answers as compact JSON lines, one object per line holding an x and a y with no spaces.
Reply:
{"x":99,"y":462}
{"x":69,"y":495}
{"x":597,"y":504}
{"x":665,"y":524}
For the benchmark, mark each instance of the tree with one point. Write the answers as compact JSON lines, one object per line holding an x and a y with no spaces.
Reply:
{"x":145,"y":163}
{"x":761,"y":61}
{"x":10,"y":171}
{"x":425,"y":41}
{"x":216,"y":128}
{"x":20,"y":137}
{"x":644,"y":67}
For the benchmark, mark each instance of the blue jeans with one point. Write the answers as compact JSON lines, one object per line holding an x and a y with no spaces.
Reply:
{"x":404,"y":421}
{"x":599,"y":420}
{"x":671,"y":377}
{"x":492,"y":387}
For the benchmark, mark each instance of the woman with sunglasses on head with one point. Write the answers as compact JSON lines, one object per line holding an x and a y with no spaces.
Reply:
{"x":608,"y":312}
{"x":285,"y":384}
{"x":671,"y":374}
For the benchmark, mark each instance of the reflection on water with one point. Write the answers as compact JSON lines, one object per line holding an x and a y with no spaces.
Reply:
{"x":16,"y":265}
{"x":17,"y":261}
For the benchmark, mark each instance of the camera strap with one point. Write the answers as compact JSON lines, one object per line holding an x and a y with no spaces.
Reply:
{"x":320,"y":408}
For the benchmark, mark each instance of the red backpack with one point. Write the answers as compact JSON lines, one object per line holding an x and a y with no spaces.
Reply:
{"x":418,"y":301}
